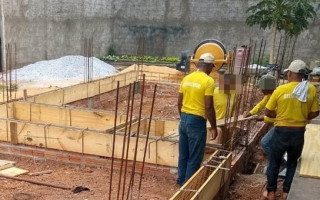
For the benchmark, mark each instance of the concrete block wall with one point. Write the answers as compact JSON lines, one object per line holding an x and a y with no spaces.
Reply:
{"x":47,"y":29}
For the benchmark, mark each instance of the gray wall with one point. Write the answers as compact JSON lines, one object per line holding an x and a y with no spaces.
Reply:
{"x":46,"y":29}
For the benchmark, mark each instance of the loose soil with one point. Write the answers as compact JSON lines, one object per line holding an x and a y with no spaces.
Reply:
{"x":97,"y":179}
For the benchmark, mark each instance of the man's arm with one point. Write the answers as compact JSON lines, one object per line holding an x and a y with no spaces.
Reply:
{"x":313,"y":115}
{"x":211,"y":115}
{"x":180,"y":98}
{"x":270,"y":113}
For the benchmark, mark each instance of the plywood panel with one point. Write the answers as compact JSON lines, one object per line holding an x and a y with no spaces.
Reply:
{"x":310,"y":159}
{"x":3,"y":111}
{"x":31,"y":134}
{"x":13,"y":171}
{"x":53,"y":97}
{"x":75,"y":93}
{"x":65,"y":139}
{"x":93,"y":88}
{"x":92,"y":119}
{"x":3,"y":130}
{"x":50,"y":114}
{"x":22,"y":110}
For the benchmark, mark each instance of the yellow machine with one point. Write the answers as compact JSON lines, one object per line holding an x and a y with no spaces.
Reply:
{"x":215,"y":47}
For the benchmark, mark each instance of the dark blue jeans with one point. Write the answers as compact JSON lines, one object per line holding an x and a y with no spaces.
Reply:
{"x":284,"y":140}
{"x":192,"y":141}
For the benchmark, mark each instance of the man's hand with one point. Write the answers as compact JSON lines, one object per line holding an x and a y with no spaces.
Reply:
{"x":214,"y":133}
{"x":260,"y":118}
{"x":247,"y":114}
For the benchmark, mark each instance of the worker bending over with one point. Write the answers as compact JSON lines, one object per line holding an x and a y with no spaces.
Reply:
{"x":292,"y":105}
{"x":195,"y":104}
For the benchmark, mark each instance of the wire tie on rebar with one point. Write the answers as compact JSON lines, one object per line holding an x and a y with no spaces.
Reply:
{"x":217,"y":167}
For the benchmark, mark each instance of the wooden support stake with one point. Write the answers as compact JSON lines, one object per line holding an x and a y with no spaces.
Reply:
{"x":25,"y":95}
{"x":13,"y":133}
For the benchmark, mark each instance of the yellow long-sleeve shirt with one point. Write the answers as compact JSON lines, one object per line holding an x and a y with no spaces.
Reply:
{"x":261,"y":105}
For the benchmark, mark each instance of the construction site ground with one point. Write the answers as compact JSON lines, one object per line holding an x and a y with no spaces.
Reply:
{"x":70,"y":175}
{"x":244,"y":186}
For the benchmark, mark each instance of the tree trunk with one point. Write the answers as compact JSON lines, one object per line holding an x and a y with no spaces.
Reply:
{"x":293,"y":48}
{"x":273,"y":43}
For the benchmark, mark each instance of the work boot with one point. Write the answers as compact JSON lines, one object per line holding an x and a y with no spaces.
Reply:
{"x":269,"y":195}
{"x":284,"y":196}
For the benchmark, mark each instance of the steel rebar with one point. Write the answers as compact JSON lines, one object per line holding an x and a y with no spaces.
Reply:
{"x":114,"y":139}
{"x":131,"y":182}
{"x":147,"y":138}
{"x":124,"y":141}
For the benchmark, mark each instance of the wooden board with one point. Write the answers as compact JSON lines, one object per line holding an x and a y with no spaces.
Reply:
{"x":211,"y":182}
{"x":94,"y":142}
{"x":62,"y":116}
{"x":310,"y":158}
{"x":4,"y":134}
{"x":13,"y":171}
{"x":4,"y":164}
{"x":53,"y":97}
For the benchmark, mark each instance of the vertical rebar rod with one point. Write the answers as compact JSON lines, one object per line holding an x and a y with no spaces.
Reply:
{"x":147,"y":138}
{"x":84,"y":58}
{"x":131,"y":182}
{"x":124,"y":141}
{"x":114,"y":139}
{"x":7,"y":58}
{"x":128,"y":143}
{"x":15,"y":67}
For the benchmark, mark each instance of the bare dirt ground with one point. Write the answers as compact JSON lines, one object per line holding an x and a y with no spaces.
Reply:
{"x":97,"y":179}
{"x":164,"y":108}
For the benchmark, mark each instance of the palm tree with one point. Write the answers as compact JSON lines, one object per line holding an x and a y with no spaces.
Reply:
{"x":292,"y":16}
{"x":302,"y":13}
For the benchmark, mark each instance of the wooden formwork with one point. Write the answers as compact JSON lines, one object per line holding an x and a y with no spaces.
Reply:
{"x":206,"y":183}
{"x":85,"y":90}
{"x":44,"y":121}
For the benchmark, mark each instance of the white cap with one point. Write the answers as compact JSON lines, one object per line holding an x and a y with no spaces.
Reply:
{"x":296,"y":66}
{"x":207,"y":58}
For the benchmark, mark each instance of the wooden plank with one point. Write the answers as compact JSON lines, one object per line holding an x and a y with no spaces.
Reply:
{"x":159,"y":128}
{"x":13,"y":133}
{"x":93,"y":88}
{"x":205,"y":183}
{"x":13,"y":171}
{"x":22,"y":110}
{"x":3,"y":130}
{"x":92,"y":119}
{"x":94,"y":142}
{"x":53,"y":97}
{"x":64,"y":139}
{"x":5,"y":164}
{"x":50,"y":114}
{"x":31,"y":134}
{"x":310,"y":159}
{"x":213,"y":183}
{"x":75,"y":93}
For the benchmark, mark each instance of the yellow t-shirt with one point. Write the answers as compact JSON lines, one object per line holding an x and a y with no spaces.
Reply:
{"x":220,"y":103}
{"x":261,"y":105}
{"x":290,"y":111}
{"x":194,"y":87}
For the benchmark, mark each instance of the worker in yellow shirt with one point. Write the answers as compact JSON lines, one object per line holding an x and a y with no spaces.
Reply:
{"x":291,"y":105}
{"x":267,"y":84}
{"x":195,"y":104}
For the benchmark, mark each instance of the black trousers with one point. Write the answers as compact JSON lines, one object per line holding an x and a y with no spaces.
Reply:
{"x":284,"y":140}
